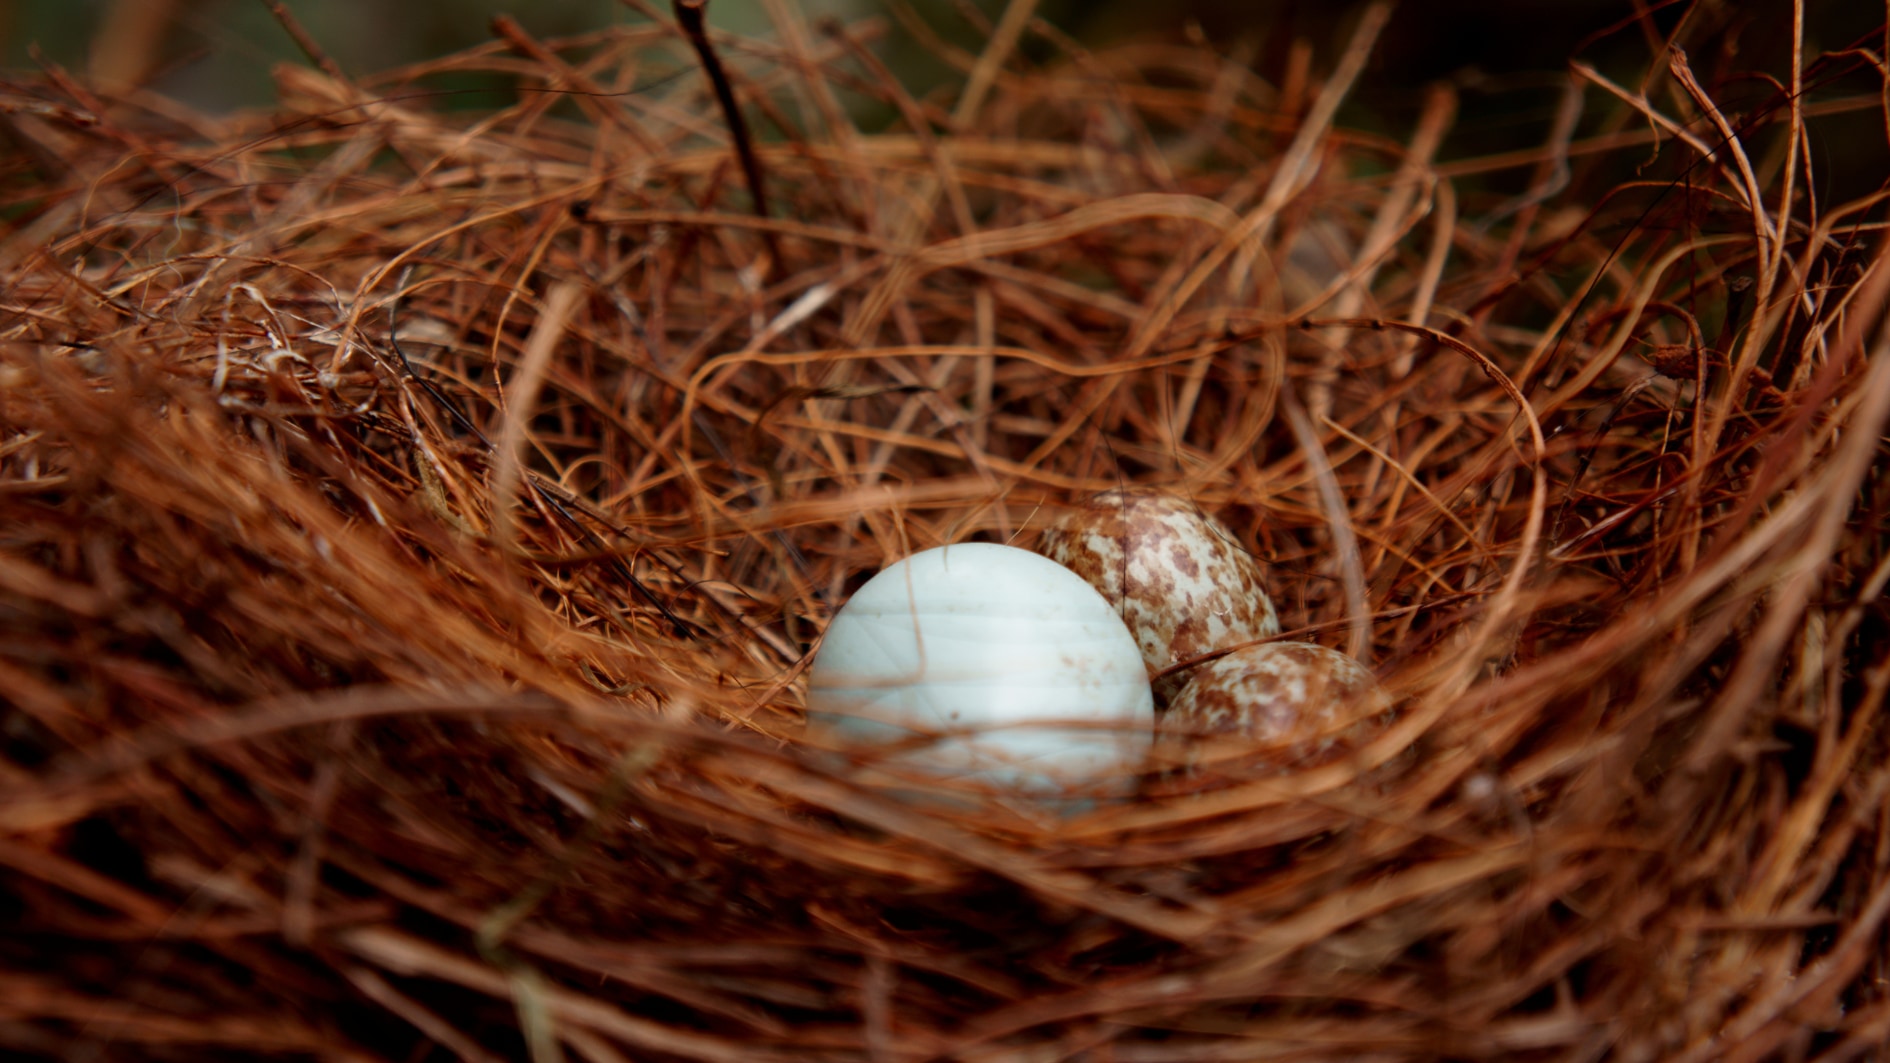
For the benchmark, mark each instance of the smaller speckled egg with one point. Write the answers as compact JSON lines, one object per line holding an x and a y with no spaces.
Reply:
{"x":985,"y":662}
{"x":1302,"y":705}
{"x":1179,"y":578}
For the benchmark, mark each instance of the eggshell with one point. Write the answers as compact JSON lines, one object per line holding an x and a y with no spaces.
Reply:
{"x":1026,"y":673}
{"x":1179,"y":578}
{"x":1301,"y":705}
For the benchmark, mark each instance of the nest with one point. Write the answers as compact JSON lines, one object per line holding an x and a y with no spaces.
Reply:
{"x":414,"y":525}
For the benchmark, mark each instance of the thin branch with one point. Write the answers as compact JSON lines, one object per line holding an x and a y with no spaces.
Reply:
{"x":689,"y":15}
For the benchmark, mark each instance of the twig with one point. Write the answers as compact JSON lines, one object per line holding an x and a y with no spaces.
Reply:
{"x":306,"y":41}
{"x":689,"y":15}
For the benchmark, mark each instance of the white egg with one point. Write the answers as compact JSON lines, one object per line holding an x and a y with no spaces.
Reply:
{"x":1180,"y":579}
{"x":985,"y":661}
{"x":1297,"y":704}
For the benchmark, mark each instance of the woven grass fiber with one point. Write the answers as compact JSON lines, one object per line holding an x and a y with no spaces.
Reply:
{"x":415,"y":522}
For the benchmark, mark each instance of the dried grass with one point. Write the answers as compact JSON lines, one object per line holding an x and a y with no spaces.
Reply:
{"x":412,"y":526}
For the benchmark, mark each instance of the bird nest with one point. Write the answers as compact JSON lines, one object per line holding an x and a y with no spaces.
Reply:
{"x":414,"y":525}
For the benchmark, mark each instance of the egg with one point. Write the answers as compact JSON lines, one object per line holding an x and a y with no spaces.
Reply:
{"x":1302,"y":705}
{"x":1178,"y":577}
{"x":986,"y":662}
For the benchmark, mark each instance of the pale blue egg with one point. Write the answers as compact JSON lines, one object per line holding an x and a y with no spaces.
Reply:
{"x":989,"y":662}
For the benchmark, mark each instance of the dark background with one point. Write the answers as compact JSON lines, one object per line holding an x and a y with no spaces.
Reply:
{"x":1508,"y":58}
{"x":220,"y":50}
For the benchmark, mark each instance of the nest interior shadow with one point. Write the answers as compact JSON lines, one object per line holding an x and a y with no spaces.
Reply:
{"x":414,"y":525}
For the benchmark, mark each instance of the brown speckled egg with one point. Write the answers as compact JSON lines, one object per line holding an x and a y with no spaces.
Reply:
{"x":1179,"y":578}
{"x":1302,"y":704}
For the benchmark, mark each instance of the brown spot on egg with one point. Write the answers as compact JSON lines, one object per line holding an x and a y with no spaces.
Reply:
{"x":1185,"y":563}
{"x":1191,"y":628}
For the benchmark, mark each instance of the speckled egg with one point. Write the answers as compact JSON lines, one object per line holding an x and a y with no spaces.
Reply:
{"x":1179,"y":578}
{"x":1301,"y":704}
{"x":988,"y":662}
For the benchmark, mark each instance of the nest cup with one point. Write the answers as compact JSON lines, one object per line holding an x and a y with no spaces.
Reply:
{"x":414,"y":525}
